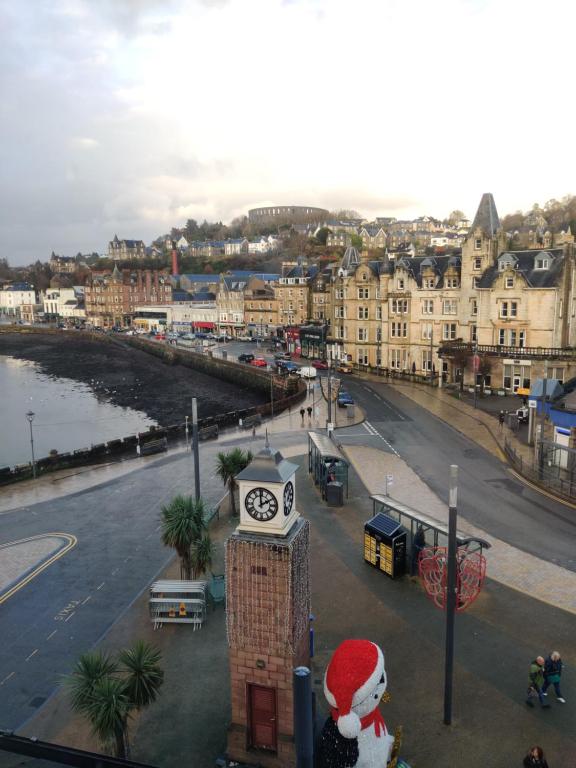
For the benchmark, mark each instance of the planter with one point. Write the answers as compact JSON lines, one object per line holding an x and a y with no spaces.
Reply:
{"x":471,"y":390}
{"x":487,"y":391}
{"x":502,"y":393}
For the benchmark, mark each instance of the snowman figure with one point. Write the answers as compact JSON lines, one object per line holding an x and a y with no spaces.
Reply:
{"x":355,"y":734}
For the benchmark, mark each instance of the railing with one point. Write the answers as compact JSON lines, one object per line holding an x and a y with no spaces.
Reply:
{"x":561,"y":482}
{"x":448,"y":349}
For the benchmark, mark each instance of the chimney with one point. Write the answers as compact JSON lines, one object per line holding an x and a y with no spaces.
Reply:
{"x":174,"y":261}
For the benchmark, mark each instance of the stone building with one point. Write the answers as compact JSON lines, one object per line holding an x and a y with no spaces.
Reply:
{"x":292,"y":293}
{"x":111,"y":297}
{"x":126,"y":250}
{"x":260,"y":308}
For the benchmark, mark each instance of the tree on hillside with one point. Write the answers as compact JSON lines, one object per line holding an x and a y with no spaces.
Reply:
{"x":322,"y":235}
{"x":356,"y":241}
{"x":105,"y":691}
{"x":228,"y":465}
{"x":455,"y":216}
{"x":343,"y":214}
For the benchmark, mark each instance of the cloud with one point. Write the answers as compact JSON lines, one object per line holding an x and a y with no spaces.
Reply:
{"x":134,"y":115}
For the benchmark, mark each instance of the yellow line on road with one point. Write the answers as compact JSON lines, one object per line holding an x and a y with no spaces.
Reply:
{"x":71,"y":543}
{"x":541,"y":490}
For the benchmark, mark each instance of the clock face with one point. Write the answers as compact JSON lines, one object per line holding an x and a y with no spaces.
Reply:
{"x":288,"y":498}
{"x":261,"y":504}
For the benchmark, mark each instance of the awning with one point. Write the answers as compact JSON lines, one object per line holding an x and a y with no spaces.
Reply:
{"x":202,"y":325}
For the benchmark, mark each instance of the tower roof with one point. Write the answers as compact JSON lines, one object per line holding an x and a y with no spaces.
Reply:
{"x":486,"y":216}
{"x":351,"y":259}
{"x":116,"y":274}
{"x":268,"y":466}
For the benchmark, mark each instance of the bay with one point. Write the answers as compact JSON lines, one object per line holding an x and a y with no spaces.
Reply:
{"x":67,"y":414}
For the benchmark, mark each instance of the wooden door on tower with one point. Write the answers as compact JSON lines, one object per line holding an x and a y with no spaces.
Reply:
{"x":262,"y":717}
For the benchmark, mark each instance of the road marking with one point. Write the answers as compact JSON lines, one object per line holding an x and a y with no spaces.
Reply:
{"x":32,"y":654}
{"x":72,"y":541}
{"x":540,"y":490}
{"x":7,"y":678}
{"x":86,"y":600}
{"x":115,"y":571}
{"x":101,"y":585}
{"x":51,"y":634}
{"x":70,"y":616}
{"x":373,"y":431}
{"x":377,"y":396}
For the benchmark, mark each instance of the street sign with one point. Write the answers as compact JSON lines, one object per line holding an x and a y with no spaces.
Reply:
{"x":389,"y":479}
{"x":532,"y":403}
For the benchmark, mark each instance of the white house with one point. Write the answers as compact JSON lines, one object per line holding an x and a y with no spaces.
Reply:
{"x":264,"y":244}
{"x":13,"y":298}
{"x":234,"y":246}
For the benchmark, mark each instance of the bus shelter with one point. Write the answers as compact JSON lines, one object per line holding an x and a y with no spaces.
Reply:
{"x":422,"y":531}
{"x":325,"y":463}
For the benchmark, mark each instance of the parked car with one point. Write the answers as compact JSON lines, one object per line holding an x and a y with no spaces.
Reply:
{"x":343,"y":368}
{"x":259,"y":362}
{"x":282,"y":356}
{"x":523,"y":414}
{"x":320,"y":365}
{"x":344,"y":399}
{"x":287,"y":366}
{"x":160,"y":336}
{"x":307,"y":372}
{"x":245,"y":357}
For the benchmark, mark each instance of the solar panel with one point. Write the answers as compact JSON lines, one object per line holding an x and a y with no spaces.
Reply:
{"x":384,"y":524}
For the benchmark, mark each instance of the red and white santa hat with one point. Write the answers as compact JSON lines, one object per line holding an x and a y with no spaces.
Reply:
{"x":353,"y":673}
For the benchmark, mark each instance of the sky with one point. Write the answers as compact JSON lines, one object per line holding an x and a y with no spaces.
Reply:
{"x":129,"y":117}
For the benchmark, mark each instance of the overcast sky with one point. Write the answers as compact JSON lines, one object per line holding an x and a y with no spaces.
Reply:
{"x":131,"y":116}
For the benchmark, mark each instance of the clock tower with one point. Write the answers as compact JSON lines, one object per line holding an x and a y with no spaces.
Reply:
{"x":267,"y":611}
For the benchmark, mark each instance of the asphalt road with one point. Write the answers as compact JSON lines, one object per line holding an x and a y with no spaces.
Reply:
{"x":488,"y":495}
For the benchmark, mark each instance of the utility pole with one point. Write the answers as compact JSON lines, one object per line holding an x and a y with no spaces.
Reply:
{"x":451,"y":588}
{"x":431,"y":354}
{"x":475,"y":366}
{"x":195,"y":449}
{"x":186,"y":417}
{"x":30,"y":416}
{"x":542,"y":420}
{"x":329,"y":422}
{"x":271,"y":395}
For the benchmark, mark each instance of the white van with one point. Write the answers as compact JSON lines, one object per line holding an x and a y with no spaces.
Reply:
{"x":307,"y":373}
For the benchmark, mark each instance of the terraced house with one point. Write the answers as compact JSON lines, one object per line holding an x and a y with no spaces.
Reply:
{"x":509,"y":314}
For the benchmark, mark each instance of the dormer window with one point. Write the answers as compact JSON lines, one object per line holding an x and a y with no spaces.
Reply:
{"x":400,"y":283}
{"x":509,"y":282}
{"x":541,"y":263}
{"x":477,"y":243}
{"x":477,"y":263}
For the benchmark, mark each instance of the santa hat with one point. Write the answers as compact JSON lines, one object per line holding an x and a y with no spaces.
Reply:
{"x":353,"y":673}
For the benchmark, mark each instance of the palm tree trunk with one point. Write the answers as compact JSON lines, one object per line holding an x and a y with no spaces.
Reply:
{"x":231,"y":485}
{"x":120,"y":745}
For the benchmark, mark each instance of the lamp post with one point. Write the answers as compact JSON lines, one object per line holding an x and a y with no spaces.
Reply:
{"x":30,"y":416}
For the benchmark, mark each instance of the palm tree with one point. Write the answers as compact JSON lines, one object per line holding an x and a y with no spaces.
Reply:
{"x":202,"y":555}
{"x":228,"y":465}
{"x":183,"y":524}
{"x":144,"y":676}
{"x":90,"y":669}
{"x":106,"y":690}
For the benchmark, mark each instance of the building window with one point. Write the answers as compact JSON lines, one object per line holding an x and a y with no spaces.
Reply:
{"x":541,"y":264}
{"x":426,"y":360}
{"x":509,"y":309}
{"x":478,"y":243}
{"x":449,"y":331}
{"x":399,"y":330}
{"x":558,"y":373}
{"x":363,"y":293}
{"x":473,"y":333}
{"x":429,"y":282}
{"x":400,"y":283}
{"x":426,"y":330}
{"x":399,"y":306}
{"x":501,"y":339}
{"x":449,"y":307}
{"x":428,"y":307}
{"x":474,"y":307}
{"x":512,"y":338}
{"x":362,"y":313}
{"x":339,"y":312}
{"x":509,"y":282}
{"x":521,"y":338}
{"x":362,"y":334}
{"x":477,"y":263}
{"x":398,"y":358}
{"x":379,"y":312}
{"x":451,"y":282}
{"x":475,"y":282}
{"x":362,"y":357}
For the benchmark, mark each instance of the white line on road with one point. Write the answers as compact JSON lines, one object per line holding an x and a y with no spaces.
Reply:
{"x":377,"y":396}
{"x":32,"y":654}
{"x":101,"y":585}
{"x":7,"y":678}
{"x":69,"y":617}
{"x":115,"y":571}
{"x":51,"y":634}
{"x":86,"y":600}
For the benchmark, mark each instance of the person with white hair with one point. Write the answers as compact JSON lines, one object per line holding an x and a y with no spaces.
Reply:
{"x":552,"y":673}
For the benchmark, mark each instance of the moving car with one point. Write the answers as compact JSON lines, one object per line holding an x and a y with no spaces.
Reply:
{"x":523,"y":414}
{"x":282,"y":356}
{"x":344,"y":399}
{"x":259,"y":362}
{"x":286,"y":366}
{"x":343,"y":368}
{"x":307,"y":372}
{"x":320,"y":365}
{"x":245,"y":357}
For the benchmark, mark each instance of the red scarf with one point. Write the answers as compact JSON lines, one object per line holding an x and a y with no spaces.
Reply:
{"x":373,"y":718}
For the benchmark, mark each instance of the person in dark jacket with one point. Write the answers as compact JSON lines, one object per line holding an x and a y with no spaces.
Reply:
{"x":552,"y":672}
{"x":535,"y":758}
{"x":535,"y":682}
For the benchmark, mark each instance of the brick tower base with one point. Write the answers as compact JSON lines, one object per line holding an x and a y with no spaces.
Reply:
{"x":267,"y":615}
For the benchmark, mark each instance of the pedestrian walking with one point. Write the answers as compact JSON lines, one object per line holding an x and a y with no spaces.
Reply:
{"x":309,"y":412}
{"x":418,"y":544}
{"x":302,"y":414}
{"x":535,"y":758}
{"x":535,"y":682}
{"x":501,"y":418}
{"x":552,"y":673}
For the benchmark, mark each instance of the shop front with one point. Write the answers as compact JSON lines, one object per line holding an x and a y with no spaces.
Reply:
{"x":313,"y":341}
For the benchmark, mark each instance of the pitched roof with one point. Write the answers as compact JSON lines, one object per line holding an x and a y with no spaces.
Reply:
{"x":486,"y":216}
{"x":524,"y":263}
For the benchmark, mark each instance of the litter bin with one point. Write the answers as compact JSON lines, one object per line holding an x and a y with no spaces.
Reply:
{"x":385,"y":545}
{"x":218,"y":588}
{"x":335,"y":494}
{"x":350,"y":410}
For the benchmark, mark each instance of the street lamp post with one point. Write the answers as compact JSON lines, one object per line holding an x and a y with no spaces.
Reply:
{"x":30,"y":416}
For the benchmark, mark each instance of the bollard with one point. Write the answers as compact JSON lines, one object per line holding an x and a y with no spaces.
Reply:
{"x":303,"y":730}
